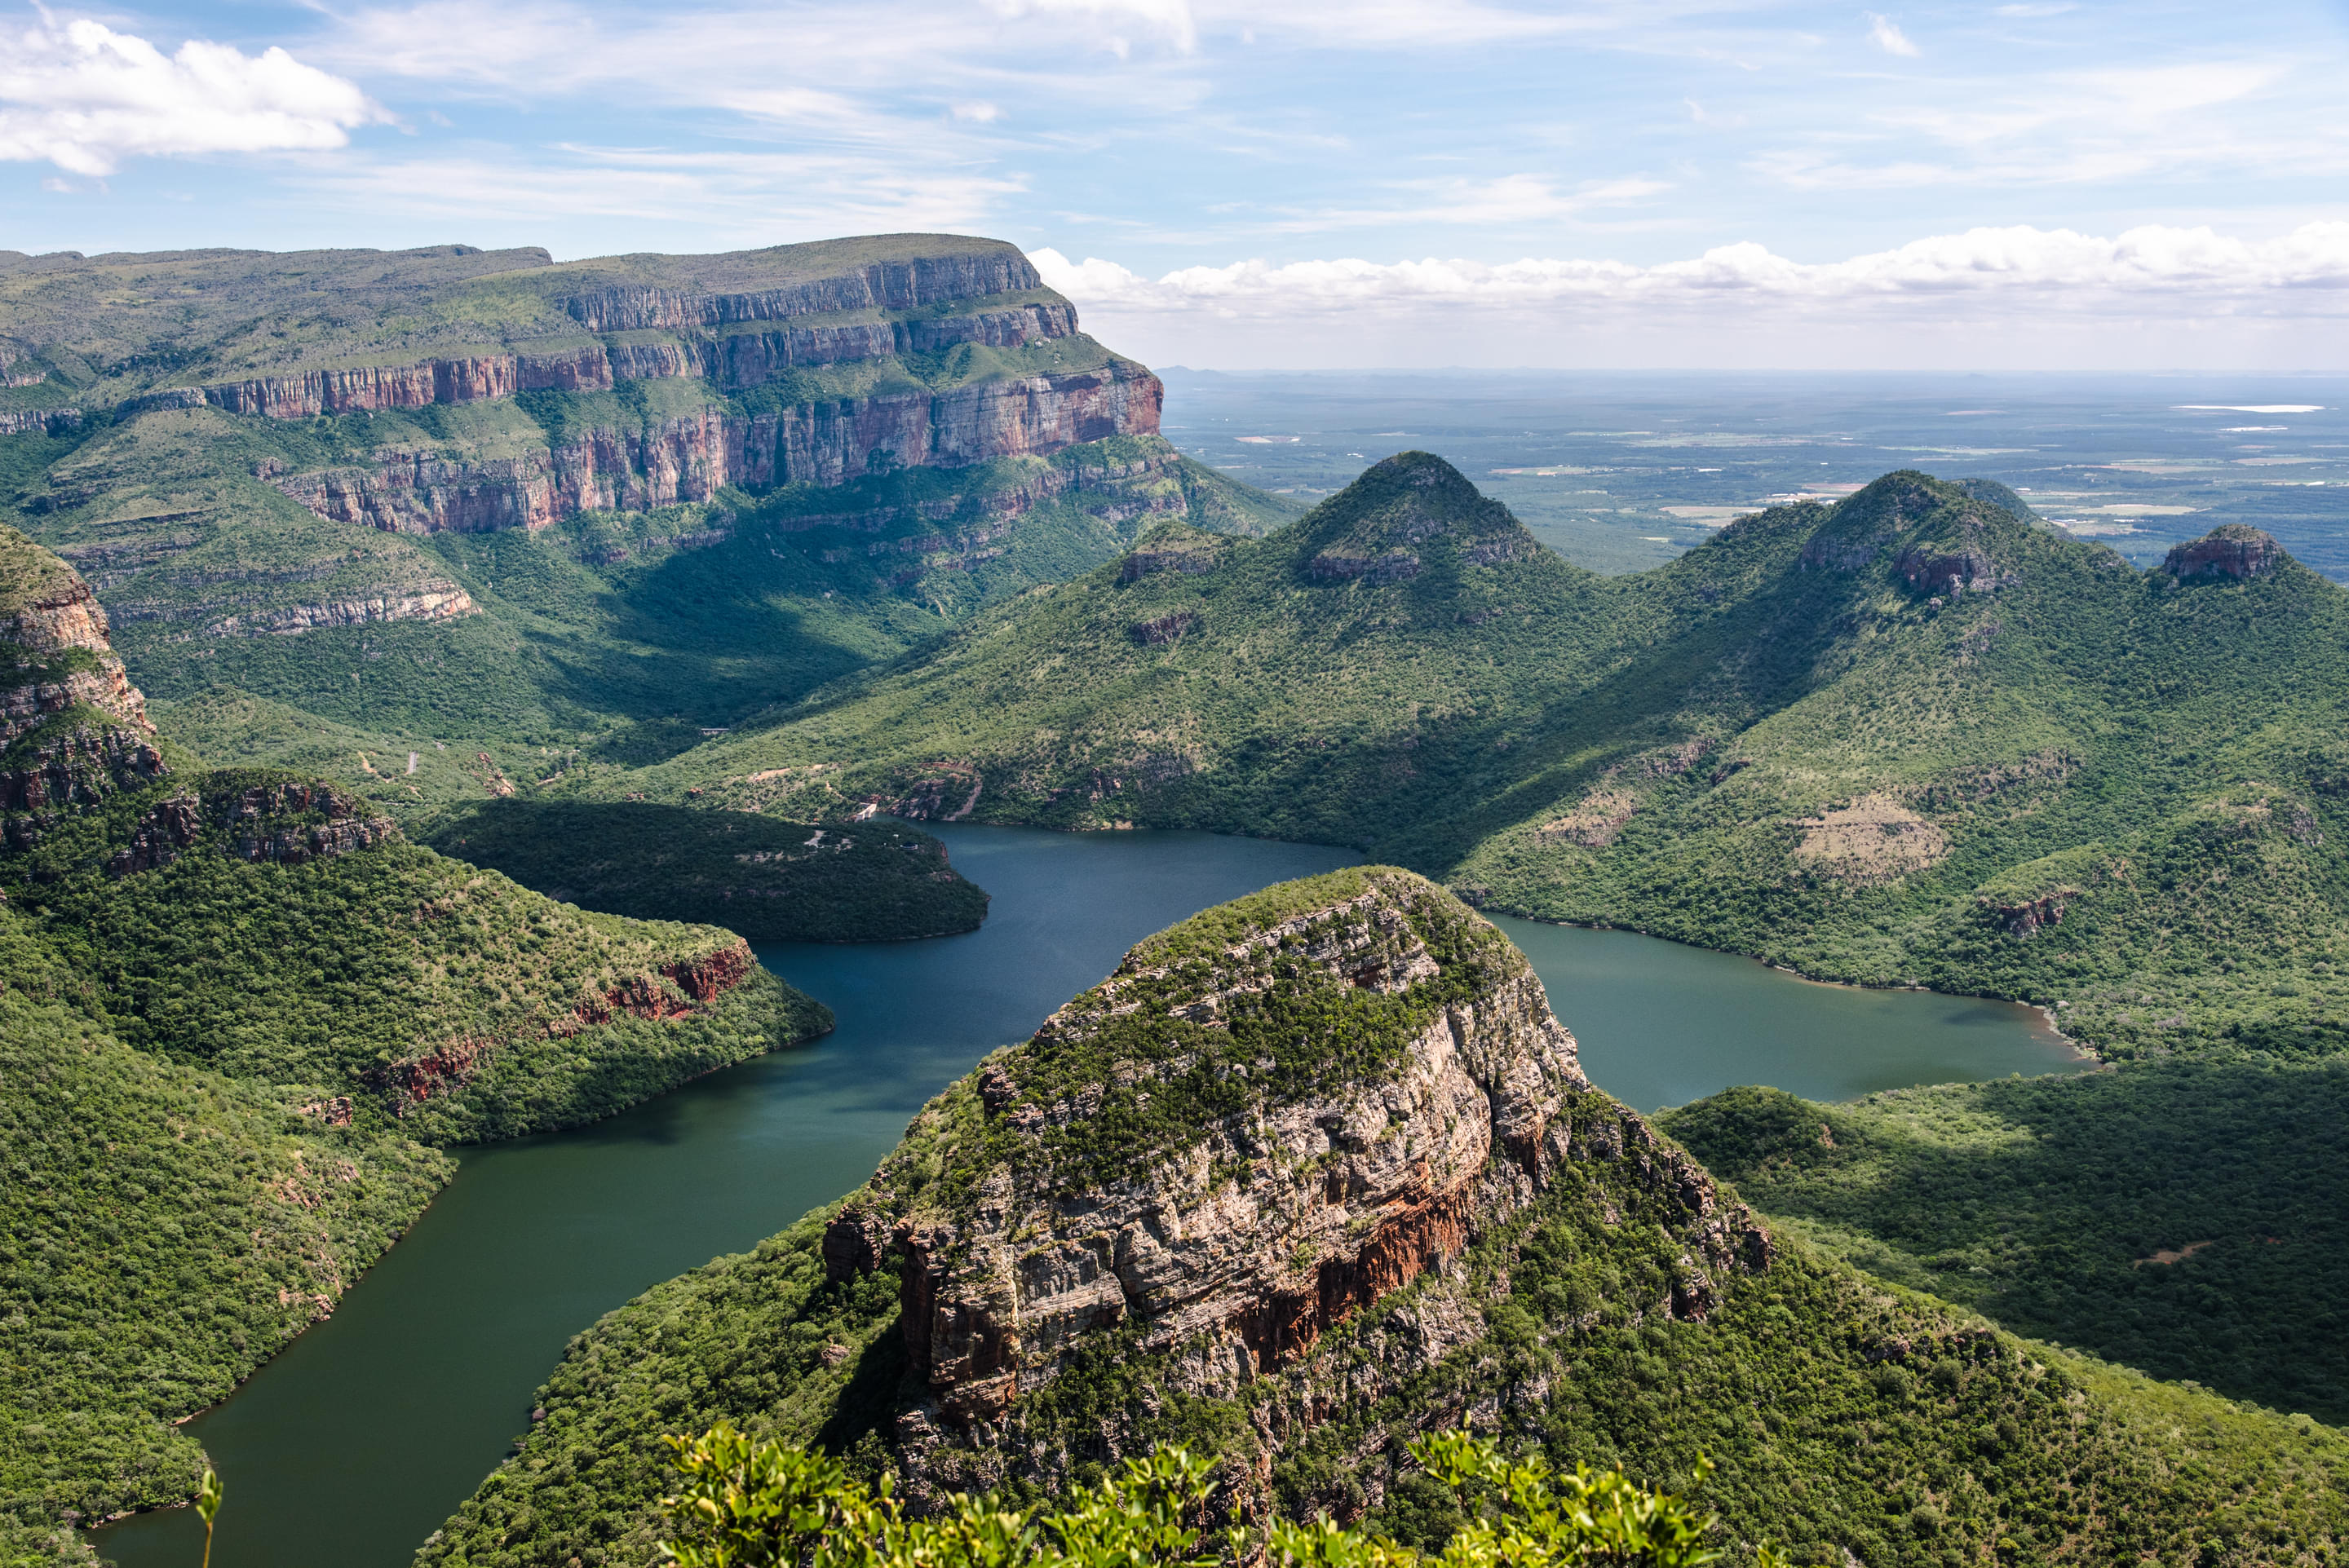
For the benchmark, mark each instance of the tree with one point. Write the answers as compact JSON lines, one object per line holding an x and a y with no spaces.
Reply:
{"x":767,"y":1505}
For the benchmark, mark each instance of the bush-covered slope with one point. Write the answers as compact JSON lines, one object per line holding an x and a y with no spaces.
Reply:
{"x":1314,"y":1172}
{"x":164,"y":1230}
{"x":236,"y":1009}
{"x":245,"y":922}
{"x":1912,"y":738}
{"x":2186,"y":1218}
{"x":770,"y":880}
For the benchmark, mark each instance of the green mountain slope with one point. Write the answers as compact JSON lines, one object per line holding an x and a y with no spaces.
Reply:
{"x":1315,"y":1172}
{"x":2181,"y":1217}
{"x":237,"y":1013}
{"x":1913,"y":738}
{"x":445,"y":496}
{"x":770,"y":880}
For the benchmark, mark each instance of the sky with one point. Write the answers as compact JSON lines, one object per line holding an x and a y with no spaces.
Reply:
{"x":2047,"y":185}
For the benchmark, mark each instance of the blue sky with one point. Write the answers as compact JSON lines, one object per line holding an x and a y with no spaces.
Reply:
{"x":2034,"y":185}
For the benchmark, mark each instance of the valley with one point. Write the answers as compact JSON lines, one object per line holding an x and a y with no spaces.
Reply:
{"x":436,"y":670}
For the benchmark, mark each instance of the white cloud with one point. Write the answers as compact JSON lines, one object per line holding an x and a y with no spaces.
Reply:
{"x":2303,"y":273}
{"x":981,"y":113}
{"x":1504,"y":201}
{"x":701,"y":198}
{"x":85,"y":97}
{"x":1886,"y":36}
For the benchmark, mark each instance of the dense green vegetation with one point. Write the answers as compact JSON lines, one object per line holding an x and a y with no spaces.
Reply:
{"x":2069,"y":782}
{"x":2181,"y":1217}
{"x":355,"y":971}
{"x":771,"y":881}
{"x":236,"y":1012}
{"x":219,"y":1079}
{"x":1850,"y":1419}
{"x":164,"y":1231}
{"x":745,"y":1505}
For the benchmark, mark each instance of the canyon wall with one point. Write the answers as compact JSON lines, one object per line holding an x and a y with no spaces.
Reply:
{"x":691,"y":458}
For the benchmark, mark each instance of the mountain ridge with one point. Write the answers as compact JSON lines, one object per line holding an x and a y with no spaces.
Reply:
{"x":1910,"y":738}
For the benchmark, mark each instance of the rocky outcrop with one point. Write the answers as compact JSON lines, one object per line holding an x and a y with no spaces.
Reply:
{"x":73,"y":728}
{"x":62,"y":617}
{"x":159,"y":836}
{"x":679,"y":989}
{"x":689,"y":459}
{"x":2231,"y":549}
{"x":2029,"y":916}
{"x":430,"y":602}
{"x":39,"y":421}
{"x":1171,"y":627}
{"x":333,"y":822}
{"x":1189,"y":560}
{"x":1947,"y":574}
{"x":1145,"y":1169}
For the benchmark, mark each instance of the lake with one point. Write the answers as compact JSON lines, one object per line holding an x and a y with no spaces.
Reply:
{"x":361,"y":1438}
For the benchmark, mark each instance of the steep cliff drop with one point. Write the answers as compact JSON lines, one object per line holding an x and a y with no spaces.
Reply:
{"x":451,"y":474}
{"x":73,"y":729}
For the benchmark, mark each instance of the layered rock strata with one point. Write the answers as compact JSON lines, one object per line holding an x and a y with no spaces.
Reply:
{"x":1168,"y":1173}
{"x":691,"y":458}
{"x":74,"y":729}
{"x":735,"y":361}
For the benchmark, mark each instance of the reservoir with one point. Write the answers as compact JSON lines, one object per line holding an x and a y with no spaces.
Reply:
{"x":360,"y":1438}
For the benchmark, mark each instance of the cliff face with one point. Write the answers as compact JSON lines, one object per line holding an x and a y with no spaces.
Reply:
{"x":689,"y":459}
{"x":2231,"y":549}
{"x":905,"y":351}
{"x":1264,"y":1127}
{"x":73,"y":729}
{"x":735,"y":361}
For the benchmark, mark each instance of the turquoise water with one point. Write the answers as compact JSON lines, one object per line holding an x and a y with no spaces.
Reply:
{"x":355,"y":1444}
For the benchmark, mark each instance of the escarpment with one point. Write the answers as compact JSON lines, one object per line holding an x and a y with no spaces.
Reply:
{"x":1272,"y":1127}
{"x":691,"y":457}
{"x":649,"y":380}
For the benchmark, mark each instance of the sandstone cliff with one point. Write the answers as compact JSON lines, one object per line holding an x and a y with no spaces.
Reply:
{"x":73,"y":729}
{"x":1285,"y":1121}
{"x":864,"y":356}
{"x":691,"y":458}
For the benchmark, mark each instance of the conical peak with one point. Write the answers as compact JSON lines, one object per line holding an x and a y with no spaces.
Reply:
{"x":1939,"y":538}
{"x":1381,"y":526}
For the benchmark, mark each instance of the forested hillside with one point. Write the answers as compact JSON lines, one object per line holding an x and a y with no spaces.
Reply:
{"x":239,"y":1014}
{"x":1912,"y":738}
{"x":2185,"y":1218}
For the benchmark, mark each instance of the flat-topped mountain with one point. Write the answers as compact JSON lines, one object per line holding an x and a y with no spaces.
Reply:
{"x":1312,"y":1174}
{"x":1916,"y":737}
{"x":629,"y":498}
